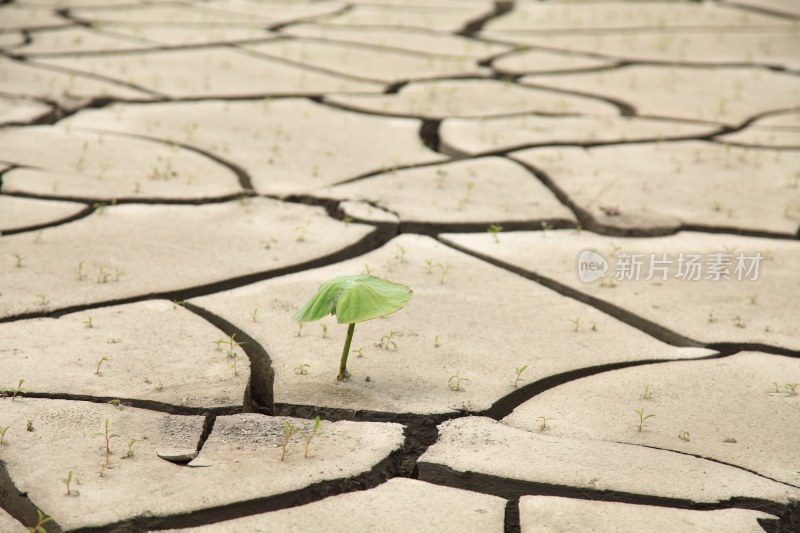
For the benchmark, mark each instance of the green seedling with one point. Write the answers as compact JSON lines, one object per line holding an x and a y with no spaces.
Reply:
{"x":353,"y":299}
{"x":642,"y":418}
{"x":100,"y":363}
{"x":445,"y":269}
{"x":183,"y":401}
{"x":400,"y":253}
{"x":684,"y":436}
{"x":288,"y":432}
{"x":518,"y":371}
{"x":302,"y":368}
{"x":67,"y":481}
{"x":254,"y":315}
{"x":3,"y":430}
{"x":367,"y":270}
{"x":647,"y":394}
{"x":232,"y":345}
{"x":309,"y":436}
{"x":41,"y":521}
{"x":38,"y":238}
{"x":44,"y":301}
{"x":89,"y":323}
{"x":19,"y":259}
{"x":300,"y":329}
{"x":102,"y":274}
{"x":608,"y":282}
{"x":791,"y":388}
{"x":116,"y":402}
{"x":738,"y":322}
{"x":107,"y":435}
{"x":594,"y":326}
{"x":219,"y":343}
{"x":429,"y":265}
{"x":359,"y":352}
{"x":18,"y":390}
{"x":81,"y":275}
{"x":543,"y":426}
{"x":576,"y":323}
{"x":301,"y":237}
{"x":455,"y":381}
{"x":232,"y":364}
{"x":545,"y":226}
{"x":494,"y":230}
{"x":347,"y":220}
{"x":29,"y":426}
{"x":129,"y":453}
{"x":436,"y":342}
{"x":711,"y":318}
{"x":324,"y":330}
{"x":752,"y":299}
{"x":387,"y":341}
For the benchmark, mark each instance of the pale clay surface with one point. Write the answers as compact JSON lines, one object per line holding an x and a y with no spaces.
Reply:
{"x":704,"y":310}
{"x":659,"y":183}
{"x":551,"y":514}
{"x":239,"y":153}
{"x":744,"y":399}
{"x":300,"y":153}
{"x":485,"y":446}
{"x":435,"y":509}
{"x":145,"y":359}
{"x":482,"y":347}
{"x":165,"y":235}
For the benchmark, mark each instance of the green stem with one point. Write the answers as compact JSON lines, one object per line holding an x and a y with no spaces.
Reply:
{"x":343,"y":373}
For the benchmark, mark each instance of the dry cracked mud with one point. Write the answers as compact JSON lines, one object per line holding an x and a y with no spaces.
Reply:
{"x":596,"y":204}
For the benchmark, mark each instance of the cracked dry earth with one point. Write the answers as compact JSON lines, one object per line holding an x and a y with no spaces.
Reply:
{"x":177,"y":177}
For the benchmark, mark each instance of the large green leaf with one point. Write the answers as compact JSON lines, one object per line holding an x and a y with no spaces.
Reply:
{"x":354,"y":299}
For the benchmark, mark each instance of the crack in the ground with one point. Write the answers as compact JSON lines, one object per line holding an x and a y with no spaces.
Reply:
{"x":500,"y":8}
{"x":18,"y":504}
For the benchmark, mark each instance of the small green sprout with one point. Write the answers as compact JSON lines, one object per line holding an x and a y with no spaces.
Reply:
{"x":711,"y":318}
{"x":19,"y":259}
{"x":429,"y":265}
{"x":183,"y":401}
{"x":647,"y":394}
{"x":684,"y":436}
{"x":89,"y":323}
{"x":254,"y":315}
{"x":302,"y":368}
{"x":347,"y":220}
{"x":29,"y":426}
{"x":99,"y":364}
{"x":288,"y":432}
{"x":752,"y":299}
{"x":400,"y":253}
{"x":594,"y":326}
{"x":387,"y":341}
{"x":300,"y":329}
{"x":309,"y":436}
{"x":107,"y":435}
{"x":42,"y":520}
{"x":543,"y":426}
{"x":518,"y":371}
{"x":3,"y":430}
{"x":177,"y":303}
{"x":738,"y":322}
{"x":359,"y":352}
{"x":44,"y":301}
{"x":102,"y":274}
{"x":324,"y":330}
{"x":367,"y":270}
{"x":353,"y":299}
{"x":301,"y":237}
{"x":445,"y":269}
{"x":455,"y":381}
{"x":232,"y":365}
{"x":576,"y":323}
{"x":67,"y":481}
{"x":494,"y":230}
{"x":232,"y":345}
{"x":129,"y":453}
{"x":436,"y":342}
{"x":18,"y":390}
{"x":642,"y":418}
{"x":81,"y":275}
{"x":791,"y":388}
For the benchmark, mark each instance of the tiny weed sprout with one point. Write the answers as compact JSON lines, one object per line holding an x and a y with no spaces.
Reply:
{"x":302,"y":368}
{"x":347,"y":220}
{"x":183,"y":401}
{"x":232,"y":345}
{"x":594,"y":326}
{"x":387,"y":341}
{"x":544,"y":419}
{"x":359,"y":352}
{"x":324,"y":330}
{"x":494,"y":230}
{"x":367,"y":270}
{"x":177,"y":303}
{"x":99,"y":364}
{"x":518,"y":371}
{"x":29,"y":426}
{"x":300,"y":329}
{"x":791,"y":388}
{"x":445,"y":269}
{"x":711,"y":318}
{"x":107,"y":435}
{"x":309,"y":436}
{"x":400,"y":253}
{"x":647,"y":394}
{"x":81,"y":275}
{"x":18,"y":390}
{"x":19,"y":259}
{"x":455,"y":381}
{"x":429,"y":265}
{"x":642,"y":418}
{"x":129,"y":452}
{"x":232,"y":364}
{"x":116,"y":402}
{"x":752,"y":299}
{"x":44,"y":301}
{"x":738,"y":322}
{"x":254,"y":315}
{"x":89,"y":323}
{"x":353,"y":299}
{"x":684,"y":436}
{"x":219,"y":343}
{"x":436,"y":342}
{"x":576,"y":323}
{"x":288,"y":432}
{"x":68,"y":481}
{"x":41,"y":521}
{"x":301,"y":237}
{"x":3,"y":430}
